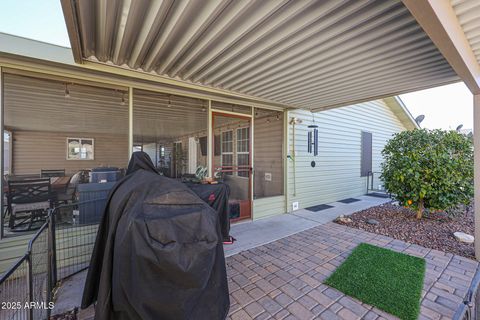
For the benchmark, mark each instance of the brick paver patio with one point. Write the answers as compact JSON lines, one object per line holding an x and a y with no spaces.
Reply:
{"x":283,"y":279}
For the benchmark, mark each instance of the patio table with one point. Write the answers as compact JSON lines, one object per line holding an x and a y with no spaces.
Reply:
{"x":58,"y":184}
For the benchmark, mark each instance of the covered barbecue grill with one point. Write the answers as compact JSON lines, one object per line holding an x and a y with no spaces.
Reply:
{"x":158,"y":252}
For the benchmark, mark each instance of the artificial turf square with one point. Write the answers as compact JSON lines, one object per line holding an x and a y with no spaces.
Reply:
{"x":388,"y":280}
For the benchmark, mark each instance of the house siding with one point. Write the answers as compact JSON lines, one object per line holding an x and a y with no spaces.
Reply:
{"x":267,"y":207}
{"x":33,"y":151}
{"x":337,"y":172}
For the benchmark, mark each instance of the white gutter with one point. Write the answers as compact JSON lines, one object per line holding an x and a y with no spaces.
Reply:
{"x":406,"y":111}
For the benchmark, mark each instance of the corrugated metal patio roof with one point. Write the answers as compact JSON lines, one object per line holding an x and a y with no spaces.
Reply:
{"x":307,"y":54}
{"x":468,"y":13}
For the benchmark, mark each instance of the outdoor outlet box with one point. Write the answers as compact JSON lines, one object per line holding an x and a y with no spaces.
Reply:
{"x":268,"y":176}
{"x":295,"y":205}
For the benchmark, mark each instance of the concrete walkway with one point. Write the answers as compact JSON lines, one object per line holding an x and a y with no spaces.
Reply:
{"x":255,"y":233}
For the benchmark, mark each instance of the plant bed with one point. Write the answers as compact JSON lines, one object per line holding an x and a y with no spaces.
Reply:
{"x":435,"y":231}
{"x":389,"y":280}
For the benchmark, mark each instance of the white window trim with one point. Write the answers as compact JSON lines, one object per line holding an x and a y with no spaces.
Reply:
{"x":80,"y":139}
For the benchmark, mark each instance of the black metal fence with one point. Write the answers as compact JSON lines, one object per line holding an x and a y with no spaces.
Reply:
{"x":75,"y":233}
{"x":60,"y":248}
{"x":469,"y":309}
{"x":25,"y":289}
{"x":14,"y":291}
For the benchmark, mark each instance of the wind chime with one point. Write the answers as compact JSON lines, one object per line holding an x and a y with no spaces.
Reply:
{"x":313,"y":139}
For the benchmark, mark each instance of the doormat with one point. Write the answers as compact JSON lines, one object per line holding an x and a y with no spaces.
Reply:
{"x":378,"y":195}
{"x":349,"y":200}
{"x":319,"y":207}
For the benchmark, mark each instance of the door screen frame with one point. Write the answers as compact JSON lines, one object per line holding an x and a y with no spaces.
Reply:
{"x":241,"y":116}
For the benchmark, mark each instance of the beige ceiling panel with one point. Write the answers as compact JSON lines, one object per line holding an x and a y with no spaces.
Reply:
{"x":468,"y":13}
{"x":314,"y":53}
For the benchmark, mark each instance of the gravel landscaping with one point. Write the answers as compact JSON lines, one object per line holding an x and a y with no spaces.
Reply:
{"x":435,"y":232}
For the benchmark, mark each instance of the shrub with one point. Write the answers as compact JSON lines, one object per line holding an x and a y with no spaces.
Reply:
{"x":429,"y":169}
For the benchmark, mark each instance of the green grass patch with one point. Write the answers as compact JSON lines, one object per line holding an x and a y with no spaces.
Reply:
{"x":383,"y":278}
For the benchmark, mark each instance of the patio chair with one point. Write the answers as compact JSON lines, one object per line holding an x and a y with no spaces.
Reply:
{"x":69,"y":194}
{"x":28,"y":202}
{"x":49,"y":173}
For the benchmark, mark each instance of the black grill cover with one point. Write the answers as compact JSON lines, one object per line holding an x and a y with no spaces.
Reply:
{"x":158,"y":252}
{"x":216,"y":195}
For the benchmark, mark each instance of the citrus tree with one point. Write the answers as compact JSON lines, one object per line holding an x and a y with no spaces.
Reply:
{"x":430,"y":169}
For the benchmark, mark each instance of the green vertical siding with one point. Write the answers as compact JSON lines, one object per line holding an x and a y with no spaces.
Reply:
{"x":337,"y":172}
{"x":270,"y":206}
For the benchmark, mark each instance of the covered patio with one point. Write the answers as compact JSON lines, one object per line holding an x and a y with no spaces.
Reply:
{"x":253,"y":60}
{"x":311,"y":55}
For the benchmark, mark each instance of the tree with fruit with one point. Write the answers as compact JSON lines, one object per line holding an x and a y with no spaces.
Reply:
{"x":429,"y":169}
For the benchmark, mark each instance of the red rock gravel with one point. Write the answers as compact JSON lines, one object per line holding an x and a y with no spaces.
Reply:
{"x":435,"y":232}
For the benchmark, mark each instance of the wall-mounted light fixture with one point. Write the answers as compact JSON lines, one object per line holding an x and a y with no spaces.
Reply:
{"x":67,"y":92}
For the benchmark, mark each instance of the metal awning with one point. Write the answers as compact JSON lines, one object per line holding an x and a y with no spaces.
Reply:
{"x":307,"y":54}
{"x":468,"y":14}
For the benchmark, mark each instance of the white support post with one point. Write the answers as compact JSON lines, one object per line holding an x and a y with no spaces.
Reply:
{"x":476,"y":141}
{"x":252,"y":161}
{"x":130,"y":122}
{"x":210,"y":141}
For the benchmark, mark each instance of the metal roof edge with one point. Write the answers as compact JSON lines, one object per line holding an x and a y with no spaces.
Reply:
{"x":401,"y":111}
{"x":21,"y":46}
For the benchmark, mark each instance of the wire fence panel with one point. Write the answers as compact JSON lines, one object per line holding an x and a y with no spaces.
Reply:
{"x":469,"y":309}
{"x":61,"y":247}
{"x":41,"y":287}
{"x":76,"y":228}
{"x":463,"y":313}
{"x":14,"y":291}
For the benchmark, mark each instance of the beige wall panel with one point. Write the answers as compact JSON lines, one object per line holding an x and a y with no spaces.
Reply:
{"x":268,"y":157}
{"x":33,"y":150}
